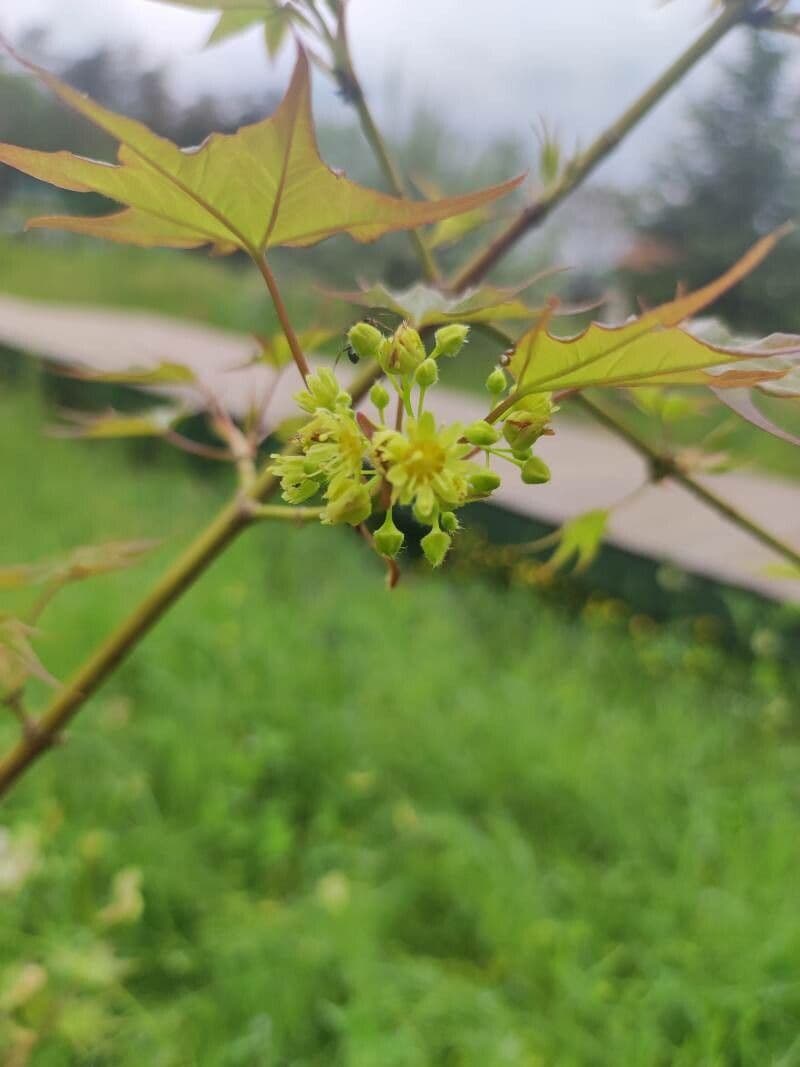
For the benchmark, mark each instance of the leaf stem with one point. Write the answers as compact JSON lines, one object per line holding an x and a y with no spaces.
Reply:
{"x":354,"y":94}
{"x":117,"y":646}
{"x":735,"y":12}
{"x":260,"y":261}
{"x":663,"y":465}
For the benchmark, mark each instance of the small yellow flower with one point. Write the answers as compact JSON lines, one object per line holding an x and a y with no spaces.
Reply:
{"x":426,"y":467}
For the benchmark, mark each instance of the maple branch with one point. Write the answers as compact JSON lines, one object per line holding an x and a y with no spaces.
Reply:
{"x":664,"y":465}
{"x":298,"y":355}
{"x":353,"y":92}
{"x":576,"y":172}
{"x":110,"y":653}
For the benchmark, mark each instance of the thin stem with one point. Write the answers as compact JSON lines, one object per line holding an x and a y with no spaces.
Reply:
{"x":581,"y":167}
{"x":354,"y":94}
{"x":664,"y":466}
{"x":283,"y":315}
{"x":118,"y":645}
{"x":285,"y":514}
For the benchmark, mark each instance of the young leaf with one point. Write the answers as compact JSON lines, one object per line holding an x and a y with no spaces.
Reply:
{"x":650,"y":350}
{"x":742,"y":403}
{"x":153,"y":423}
{"x":263,"y":186}
{"x":580,"y":538}
{"x":18,"y":661}
{"x":160,"y":374}
{"x":424,"y":305}
{"x":239,"y":15}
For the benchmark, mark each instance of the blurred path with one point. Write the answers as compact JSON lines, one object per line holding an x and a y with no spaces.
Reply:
{"x":591,"y":468}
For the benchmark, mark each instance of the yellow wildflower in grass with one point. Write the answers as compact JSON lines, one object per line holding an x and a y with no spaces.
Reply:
{"x":425,"y":466}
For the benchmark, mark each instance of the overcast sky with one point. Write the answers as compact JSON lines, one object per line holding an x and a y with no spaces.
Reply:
{"x":489,"y":65}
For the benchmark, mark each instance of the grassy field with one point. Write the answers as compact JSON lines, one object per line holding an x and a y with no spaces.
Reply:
{"x":314,"y":824}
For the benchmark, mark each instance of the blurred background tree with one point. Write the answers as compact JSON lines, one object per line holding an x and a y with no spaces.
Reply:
{"x":728,"y":180}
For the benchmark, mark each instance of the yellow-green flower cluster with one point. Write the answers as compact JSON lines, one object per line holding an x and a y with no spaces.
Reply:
{"x":360,"y":465}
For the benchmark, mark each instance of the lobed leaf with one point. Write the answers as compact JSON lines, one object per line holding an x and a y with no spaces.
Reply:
{"x":649,"y":350}
{"x":258,"y":188}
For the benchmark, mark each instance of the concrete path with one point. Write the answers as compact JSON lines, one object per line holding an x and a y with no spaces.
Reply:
{"x":591,"y":467}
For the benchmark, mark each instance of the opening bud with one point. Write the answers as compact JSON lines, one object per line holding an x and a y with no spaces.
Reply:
{"x":450,"y":339}
{"x":407,"y":350}
{"x":436,"y":545}
{"x":322,"y":391}
{"x":535,"y":471}
{"x":482,"y":434}
{"x":388,"y":539}
{"x":365,"y":340}
{"x":427,"y":373}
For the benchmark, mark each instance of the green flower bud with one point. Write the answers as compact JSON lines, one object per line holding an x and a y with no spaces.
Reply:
{"x":535,"y":471}
{"x":484,"y":482}
{"x":388,"y":539}
{"x":427,"y":373}
{"x":496,"y":382}
{"x":450,"y":339}
{"x":351,"y":506}
{"x":365,"y":340}
{"x":407,"y":350}
{"x":379,"y":397}
{"x":482,"y":434}
{"x":448,"y":521}
{"x":521,"y":454}
{"x":436,"y":545}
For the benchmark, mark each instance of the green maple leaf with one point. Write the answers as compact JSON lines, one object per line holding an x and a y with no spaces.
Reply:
{"x":258,"y":188}
{"x":649,"y":350}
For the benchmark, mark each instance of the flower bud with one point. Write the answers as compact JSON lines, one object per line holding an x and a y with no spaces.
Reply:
{"x":450,"y":339}
{"x":388,"y":539}
{"x":351,"y":506}
{"x":535,"y":471}
{"x":379,"y":397}
{"x":365,"y":340}
{"x":427,"y":373}
{"x":448,"y":521}
{"x":435,"y":545}
{"x":496,"y":382}
{"x":407,"y":350}
{"x":484,"y":482}
{"x":482,"y":434}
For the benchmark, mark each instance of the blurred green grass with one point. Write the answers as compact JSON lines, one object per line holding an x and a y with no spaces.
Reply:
{"x":446,"y":826}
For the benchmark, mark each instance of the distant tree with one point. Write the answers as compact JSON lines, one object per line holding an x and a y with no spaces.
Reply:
{"x":732,"y":177}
